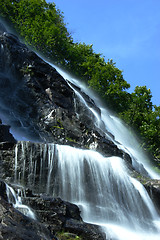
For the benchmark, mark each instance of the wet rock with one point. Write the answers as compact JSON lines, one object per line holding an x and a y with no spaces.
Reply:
{"x":3,"y":190}
{"x":153,"y":188}
{"x":42,"y":106}
{"x":2,"y":28}
{"x":15,"y":225}
{"x":86,"y":231}
{"x":5,"y":135}
{"x":59,"y":215}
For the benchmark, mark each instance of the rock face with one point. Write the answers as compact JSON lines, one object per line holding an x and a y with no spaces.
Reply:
{"x":153,"y":189}
{"x":15,"y":225}
{"x":59,"y":215}
{"x":52,"y":214}
{"x":39,"y":105}
{"x":42,"y":107}
{"x":5,"y":135}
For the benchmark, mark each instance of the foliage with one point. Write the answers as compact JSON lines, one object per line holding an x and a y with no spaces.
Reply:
{"x":150,"y":130}
{"x":145,"y":117}
{"x":139,"y":107}
{"x":67,"y":236}
{"x":41,"y":25}
{"x":108,"y":81}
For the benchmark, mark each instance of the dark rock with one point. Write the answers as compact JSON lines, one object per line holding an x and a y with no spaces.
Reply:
{"x":7,"y":162}
{"x":16,"y":226}
{"x":153,"y":188}
{"x":6,"y":145}
{"x":59,"y":215}
{"x":5,"y":135}
{"x":3,"y":190}
{"x":2,"y":28}
{"x":86,"y":231}
{"x":41,"y":105}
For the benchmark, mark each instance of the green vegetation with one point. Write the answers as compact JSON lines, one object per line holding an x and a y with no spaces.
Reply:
{"x":59,"y":124}
{"x":67,"y":236}
{"x":27,"y":70}
{"x":143,"y":116}
{"x":41,"y":26}
{"x":71,"y":139}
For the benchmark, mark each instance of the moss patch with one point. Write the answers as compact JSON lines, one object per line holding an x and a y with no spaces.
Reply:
{"x":67,"y":236}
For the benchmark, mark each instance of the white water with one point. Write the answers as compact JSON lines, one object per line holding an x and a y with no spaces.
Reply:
{"x":16,"y":200}
{"x":100,"y":186}
{"x":107,"y":122}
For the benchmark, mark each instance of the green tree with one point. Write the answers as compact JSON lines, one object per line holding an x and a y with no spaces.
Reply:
{"x":145,"y":118}
{"x":41,"y":25}
{"x":150,"y":131}
{"x":108,"y":81}
{"x":139,"y":107}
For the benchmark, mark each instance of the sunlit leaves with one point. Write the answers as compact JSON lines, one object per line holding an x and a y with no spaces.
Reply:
{"x":145,"y":118}
{"x":41,"y":25}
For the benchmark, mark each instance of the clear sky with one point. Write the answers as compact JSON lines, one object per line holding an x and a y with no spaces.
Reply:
{"x":128,"y":31}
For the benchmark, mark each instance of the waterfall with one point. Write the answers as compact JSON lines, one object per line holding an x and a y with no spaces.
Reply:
{"x":108,"y":122}
{"x":100,"y":186}
{"x":15,"y":199}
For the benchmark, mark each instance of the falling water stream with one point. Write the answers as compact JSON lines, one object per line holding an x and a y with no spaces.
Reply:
{"x":124,"y":138}
{"x":16,"y":200}
{"x":110,"y":197}
{"x":100,"y":186}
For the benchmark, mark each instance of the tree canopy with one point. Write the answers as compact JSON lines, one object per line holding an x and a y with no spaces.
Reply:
{"x":41,"y":25}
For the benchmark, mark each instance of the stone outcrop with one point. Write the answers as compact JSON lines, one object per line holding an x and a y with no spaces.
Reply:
{"x":15,"y":225}
{"x":58,"y":215}
{"x":39,"y":104}
{"x":153,"y":188}
{"x":53,"y":215}
{"x":42,"y":107}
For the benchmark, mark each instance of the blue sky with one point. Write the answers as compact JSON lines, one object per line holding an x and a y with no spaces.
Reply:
{"x":128,"y":31}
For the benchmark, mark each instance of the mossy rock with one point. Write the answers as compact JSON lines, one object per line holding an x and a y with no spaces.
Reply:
{"x":67,"y":236}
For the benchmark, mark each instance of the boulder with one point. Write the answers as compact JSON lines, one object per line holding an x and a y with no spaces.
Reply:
{"x":14,"y":225}
{"x":153,"y":188}
{"x":61,"y":216}
{"x":52,"y":215}
{"x":2,"y":28}
{"x":5,"y":136}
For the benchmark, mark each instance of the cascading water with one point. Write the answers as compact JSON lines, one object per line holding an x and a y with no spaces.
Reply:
{"x":126,"y":211}
{"x":107,"y":122}
{"x":100,"y":186}
{"x":15,"y":199}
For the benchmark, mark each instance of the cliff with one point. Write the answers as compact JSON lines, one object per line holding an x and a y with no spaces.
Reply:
{"x":41,"y":108}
